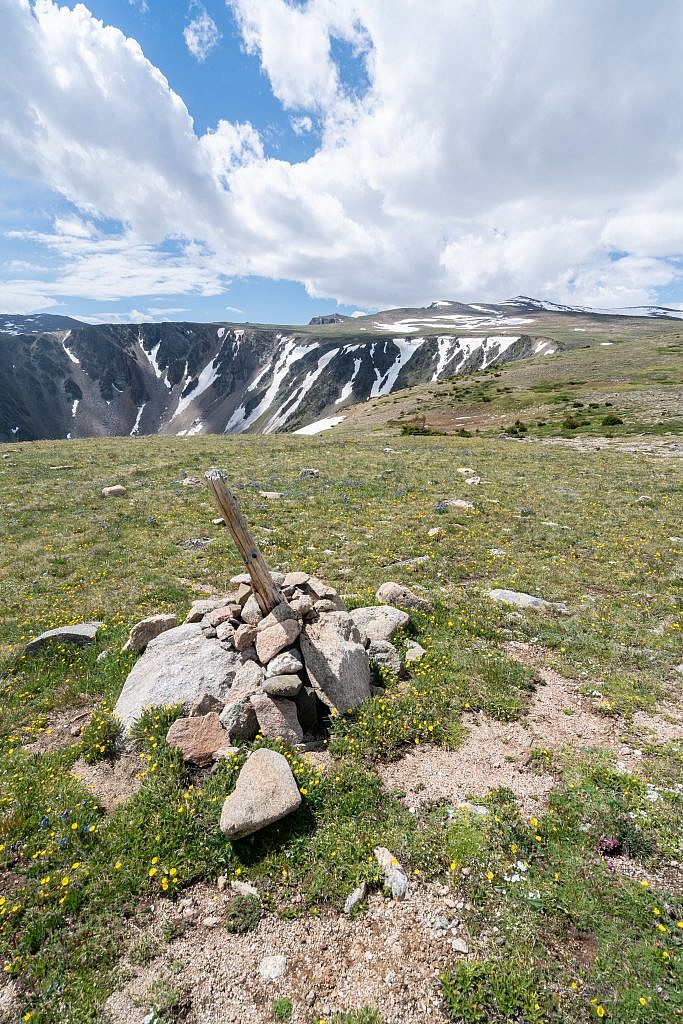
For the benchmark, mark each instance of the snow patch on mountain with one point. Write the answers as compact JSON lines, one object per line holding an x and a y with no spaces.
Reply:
{"x":384,"y":383}
{"x":347,"y":389}
{"x":320,"y":425}
{"x":136,"y":425}
{"x":68,"y":352}
{"x":205,"y":379}
{"x":289,"y":407}
{"x":289,"y":354}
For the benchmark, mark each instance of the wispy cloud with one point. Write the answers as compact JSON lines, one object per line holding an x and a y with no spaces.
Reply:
{"x":201,"y":35}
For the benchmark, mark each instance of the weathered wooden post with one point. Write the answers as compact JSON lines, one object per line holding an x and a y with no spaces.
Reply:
{"x":267,"y":594}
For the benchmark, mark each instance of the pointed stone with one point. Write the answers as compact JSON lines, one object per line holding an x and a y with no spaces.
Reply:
{"x":266,"y":791}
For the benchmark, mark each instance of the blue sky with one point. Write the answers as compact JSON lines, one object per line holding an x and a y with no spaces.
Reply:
{"x":334,"y":155}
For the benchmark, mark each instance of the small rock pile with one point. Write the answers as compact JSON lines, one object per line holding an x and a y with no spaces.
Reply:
{"x":240,"y":672}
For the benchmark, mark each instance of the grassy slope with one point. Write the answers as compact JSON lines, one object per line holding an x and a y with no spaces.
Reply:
{"x":640,"y":373}
{"x":67,"y":555}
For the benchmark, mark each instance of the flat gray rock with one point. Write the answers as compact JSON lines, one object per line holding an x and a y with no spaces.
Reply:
{"x":379,"y":622}
{"x":177,"y":666}
{"x":521,"y":600}
{"x":336,"y":661}
{"x":282,"y":686}
{"x":266,"y":791}
{"x":80,"y":635}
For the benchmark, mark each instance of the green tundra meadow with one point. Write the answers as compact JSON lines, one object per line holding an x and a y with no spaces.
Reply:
{"x":591,"y":926}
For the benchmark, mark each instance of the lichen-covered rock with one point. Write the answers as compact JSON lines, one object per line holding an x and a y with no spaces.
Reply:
{"x":384,"y":653}
{"x":402,"y":597}
{"x":266,"y":791}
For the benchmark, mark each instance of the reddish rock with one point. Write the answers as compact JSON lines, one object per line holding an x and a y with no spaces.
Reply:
{"x":198,"y":738}
{"x":270,"y":641}
{"x":296,"y":579}
{"x":244,"y":637}
{"x":217,"y":616}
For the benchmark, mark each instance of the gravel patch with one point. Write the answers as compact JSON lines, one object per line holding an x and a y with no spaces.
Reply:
{"x":390,"y":958}
{"x":498,"y":753}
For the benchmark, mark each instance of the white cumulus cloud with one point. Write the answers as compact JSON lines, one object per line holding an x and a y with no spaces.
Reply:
{"x":494,"y":148}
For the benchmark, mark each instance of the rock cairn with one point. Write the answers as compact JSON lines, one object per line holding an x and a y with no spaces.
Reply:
{"x":275,"y":657}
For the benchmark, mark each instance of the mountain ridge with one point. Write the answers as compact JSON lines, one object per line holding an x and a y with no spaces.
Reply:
{"x":190,"y":378}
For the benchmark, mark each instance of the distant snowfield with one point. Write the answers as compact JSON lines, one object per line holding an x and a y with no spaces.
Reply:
{"x":459,"y":320}
{"x":320,"y":425}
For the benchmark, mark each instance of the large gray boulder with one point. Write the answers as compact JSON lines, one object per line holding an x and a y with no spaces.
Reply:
{"x":336,"y":661}
{"x":177,"y":666}
{"x":80,"y":635}
{"x":379,"y":622}
{"x":266,"y":791}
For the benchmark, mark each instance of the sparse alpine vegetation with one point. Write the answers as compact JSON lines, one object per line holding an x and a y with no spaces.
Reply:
{"x":525,"y":777}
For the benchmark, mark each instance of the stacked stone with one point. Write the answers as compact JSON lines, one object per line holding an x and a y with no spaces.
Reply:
{"x":294,"y":666}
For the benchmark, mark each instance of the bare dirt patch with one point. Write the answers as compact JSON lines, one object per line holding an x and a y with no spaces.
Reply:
{"x":61,"y":731}
{"x":663,"y":727}
{"x":110,"y":782}
{"x":498,"y":753}
{"x":390,"y":957}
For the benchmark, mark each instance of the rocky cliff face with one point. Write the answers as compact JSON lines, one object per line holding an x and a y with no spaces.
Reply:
{"x":188,"y":379}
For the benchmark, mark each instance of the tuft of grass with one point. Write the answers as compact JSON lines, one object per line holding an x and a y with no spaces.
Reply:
{"x":493,"y":992}
{"x":99,"y":737}
{"x":282,"y":1009}
{"x":243,"y":915}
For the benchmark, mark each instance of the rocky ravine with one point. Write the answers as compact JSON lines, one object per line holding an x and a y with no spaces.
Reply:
{"x":188,"y":379}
